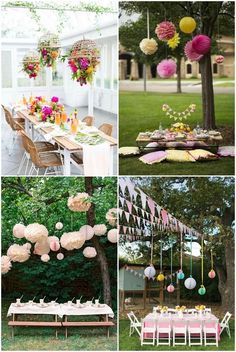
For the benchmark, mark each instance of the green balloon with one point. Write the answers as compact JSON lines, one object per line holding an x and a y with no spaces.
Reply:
{"x":202,"y":291}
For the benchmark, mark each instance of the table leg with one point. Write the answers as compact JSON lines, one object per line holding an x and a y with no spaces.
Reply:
{"x":12,"y":331}
{"x":56,"y":327}
{"x":66,"y":327}
{"x":111,"y":162}
{"x":66,"y":168}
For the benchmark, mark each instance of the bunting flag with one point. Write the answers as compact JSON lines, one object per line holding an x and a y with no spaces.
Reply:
{"x":151,"y":205}
{"x":122,"y":184}
{"x":140,"y":273}
{"x":129,"y":205}
{"x":143,"y":199}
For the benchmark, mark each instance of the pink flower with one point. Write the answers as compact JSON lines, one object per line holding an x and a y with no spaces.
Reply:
{"x":74,"y":69}
{"x":46,"y":110}
{"x":84,"y":63}
{"x":31,"y":67}
{"x":44,"y":52}
{"x":39,"y":98}
{"x":54,"y":99}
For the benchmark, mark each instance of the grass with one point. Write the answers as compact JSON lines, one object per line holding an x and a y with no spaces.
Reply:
{"x":226,"y":84}
{"x":132,"y":343}
{"x":141,"y":111}
{"x":43,"y":339}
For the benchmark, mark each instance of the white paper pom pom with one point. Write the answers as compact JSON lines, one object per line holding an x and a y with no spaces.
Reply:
{"x":89,"y":252}
{"x":45,"y":258}
{"x":100,"y":229}
{"x":72,"y":240}
{"x":36,"y":232}
{"x":112,"y":235}
{"x":87,"y":231}
{"x":27,"y":245}
{"x":18,"y":253}
{"x":79,"y":202}
{"x":60,"y":256}
{"x":55,"y":246}
{"x":53,"y":238}
{"x":19,"y":231}
{"x":150,"y":272}
{"x":111,"y":216}
{"x":5,"y":264}
{"x":148,"y":46}
{"x":41,"y":247}
{"x":59,"y":225}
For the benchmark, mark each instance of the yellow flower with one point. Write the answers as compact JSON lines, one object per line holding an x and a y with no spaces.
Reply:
{"x":89,"y":69}
{"x":174,"y":42}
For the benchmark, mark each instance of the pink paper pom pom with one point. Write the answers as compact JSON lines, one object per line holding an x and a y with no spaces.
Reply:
{"x":201,"y":44}
{"x":219,"y":59}
{"x":166,"y":68}
{"x":191,"y":54}
{"x":165,"y":30}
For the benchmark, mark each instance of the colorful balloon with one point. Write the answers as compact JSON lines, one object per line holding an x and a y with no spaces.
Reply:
{"x":187,"y":25}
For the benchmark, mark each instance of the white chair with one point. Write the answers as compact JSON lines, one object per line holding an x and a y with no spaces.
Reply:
{"x":179,"y":329}
{"x":207,"y":310}
{"x":148,"y":334}
{"x":172,"y":310}
{"x":194,"y":333}
{"x":224,"y":324}
{"x":210,"y":331}
{"x":135,"y":324}
{"x":163,"y":332}
{"x":192,"y":310}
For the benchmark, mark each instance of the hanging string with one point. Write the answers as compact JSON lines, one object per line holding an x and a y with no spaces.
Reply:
{"x":191,"y":257}
{"x":152,"y":248}
{"x":171,"y":259}
{"x":161,"y":256}
{"x":211,"y":260}
{"x":71,"y":222}
{"x":148,"y":24}
{"x":202,"y":258}
{"x":181,"y":251}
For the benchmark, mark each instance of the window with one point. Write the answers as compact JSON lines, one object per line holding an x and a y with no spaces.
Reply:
{"x":6,"y":69}
{"x":215,"y":69}
{"x":189,"y":69}
{"x":57,"y":74}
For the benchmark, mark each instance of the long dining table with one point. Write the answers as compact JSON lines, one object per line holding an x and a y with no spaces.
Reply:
{"x":68,"y":145}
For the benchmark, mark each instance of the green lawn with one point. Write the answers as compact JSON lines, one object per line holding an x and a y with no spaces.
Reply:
{"x":43,"y":339}
{"x":141,"y":111}
{"x":133,"y":343}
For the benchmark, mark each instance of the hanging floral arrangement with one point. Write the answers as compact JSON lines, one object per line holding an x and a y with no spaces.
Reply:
{"x":83,"y":60}
{"x":48,"y":48}
{"x":31,"y":63}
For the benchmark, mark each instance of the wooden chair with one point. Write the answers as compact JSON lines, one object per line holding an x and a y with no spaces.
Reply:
{"x":41,"y":160}
{"x":106,"y":128}
{"x":88,"y":120}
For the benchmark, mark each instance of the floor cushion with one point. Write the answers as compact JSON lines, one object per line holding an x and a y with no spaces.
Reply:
{"x":179,"y":156}
{"x":226,"y":151}
{"x":154,"y":157}
{"x":129,"y":151}
{"x":201,"y":154}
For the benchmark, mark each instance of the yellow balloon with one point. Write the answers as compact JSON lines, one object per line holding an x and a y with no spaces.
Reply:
{"x":187,"y":24}
{"x":160,"y":277}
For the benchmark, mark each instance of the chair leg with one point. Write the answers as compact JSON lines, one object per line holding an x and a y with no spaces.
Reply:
{"x":21,"y":163}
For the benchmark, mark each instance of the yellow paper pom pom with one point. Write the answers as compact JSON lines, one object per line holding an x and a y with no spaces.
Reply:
{"x":174,"y":42}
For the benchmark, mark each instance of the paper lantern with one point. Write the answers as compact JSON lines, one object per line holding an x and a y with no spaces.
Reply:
{"x":166,"y":68}
{"x":45,"y":258}
{"x":5,"y":264}
{"x":18,"y":253}
{"x":180,"y":275}
{"x":89,"y":252}
{"x":112,"y":235}
{"x":19,"y":231}
{"x":219,"y":59}
{"x":72,"y":240}
{"x":53,"y":238}
{"x":190,"y":283}
{"x":148,"y":46}
{"x":60,"y":256}
{"x":160,"y":277}
{"x":111,"y":216}
{"x":54,"y":246}
{"x":150,"y":271}
{"x":187,"y":25}
{"x":170,"y":288}
{"x":42,"y":247}
{"x":165,"y":30}
{"x":202,"y":290}
{"x":59,"y":225}
{"x":190,"y":53}
{"x":201,"y":44}
{"x":27,"y":245}
{"x":79,"y":202}
{"x":36,"y":232}
{"x":100,"y":229}
{"x":87,"y":231}
{"x":212,"y":274}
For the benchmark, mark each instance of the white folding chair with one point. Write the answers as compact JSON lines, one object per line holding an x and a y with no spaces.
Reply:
{"x":179,"y":332}
{"x":194,"y":333}
{"x":135,"y":324}
{"x":224,"y":324}
{"x":210,"y":332}
{"x":171,"y":310}
{"x":163,"y":332}
{"x":148,"y":334}
{"x":192,"y":311}
{"x":207,"y":310}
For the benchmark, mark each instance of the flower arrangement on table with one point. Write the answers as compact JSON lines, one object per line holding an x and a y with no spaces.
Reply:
{"x":200,"y":308}
{"x":164,"y":309}
{"x":49,"y":110}
{"x":48,"y":48}
{"x":180,"y":308}
{"x":35,"y":105}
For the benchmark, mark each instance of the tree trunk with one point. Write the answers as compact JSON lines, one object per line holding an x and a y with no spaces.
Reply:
{"x":178,"y":71}
{"x":101,"y":256}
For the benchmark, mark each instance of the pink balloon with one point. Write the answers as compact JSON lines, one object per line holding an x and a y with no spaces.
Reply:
{"x":201,"y":44}
{"x":170,"y":288}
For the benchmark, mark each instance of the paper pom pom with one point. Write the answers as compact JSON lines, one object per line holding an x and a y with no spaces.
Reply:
{"x":28,"y":245}
{"x":190,"y":283}
{"x":41,"y":247}
{"x":166,"y":68}
{"x":191,"y":54}
{"x":202,"y":290}
{"x":60,"y":256}
{"x":18,"y":253}
{"x":170,"y":288}
{"x":5,"y":264}
{"x":36,"y":233}
{"x":187,"y":25}
{"x":180,"y":275}
{"x":59,"y":225}
{"x":19,"y":231}
{"x":100,"y":229}
{"x":212,"y":274}
{"x":79,"y":202}
{"x":89,"y":252}
{"x":150,"y":271}
{"x":72,"y":240}
{"x":174,"y":42}
{"x":112,"y":236}
{"x":148,"y":46}
{"x":45,"y":258}
{"x":160,"y":277}
{"x":165,"y":30}
{"x":219,"y":59}
{"x":201,"y":44}
{"x":87,"y":231}
{"x":54,"y":246}
{"x":111,"y":216}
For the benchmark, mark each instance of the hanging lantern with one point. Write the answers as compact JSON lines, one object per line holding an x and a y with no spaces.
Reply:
{"x":165,"y":30}
{"x":112,"y":236}
{"x":83,"y":60}
{"x":166,"y":68}
{"x":87,"y":231}
{"x":60,"y":256}
{"x":190,"y":283}
{"x":30,"y":64}
{"x":89,"y":252}
{"x":100,"y":230}
{"x":212,"y":274}
{"x":202,"y":290}
{"x":219,"y":59}
{"x":59,"y":226}
{"x":48,"y":48}
{"x":36,"y":232}
{"x":160,"y":277}
{"x":170,"y":288}
{"x":72,"y":240}
{"x":80,"y":202}
{"x":19,"y":231}
{"x":5,"y":264}
{"x":187,"y":25}
{"x":190,"y":53}
{"x":150,"y":271}
{"x":45,"y":258}
{"x":201,"y":44}
{"x":180,"y":275}
{"x":148,"y":46}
